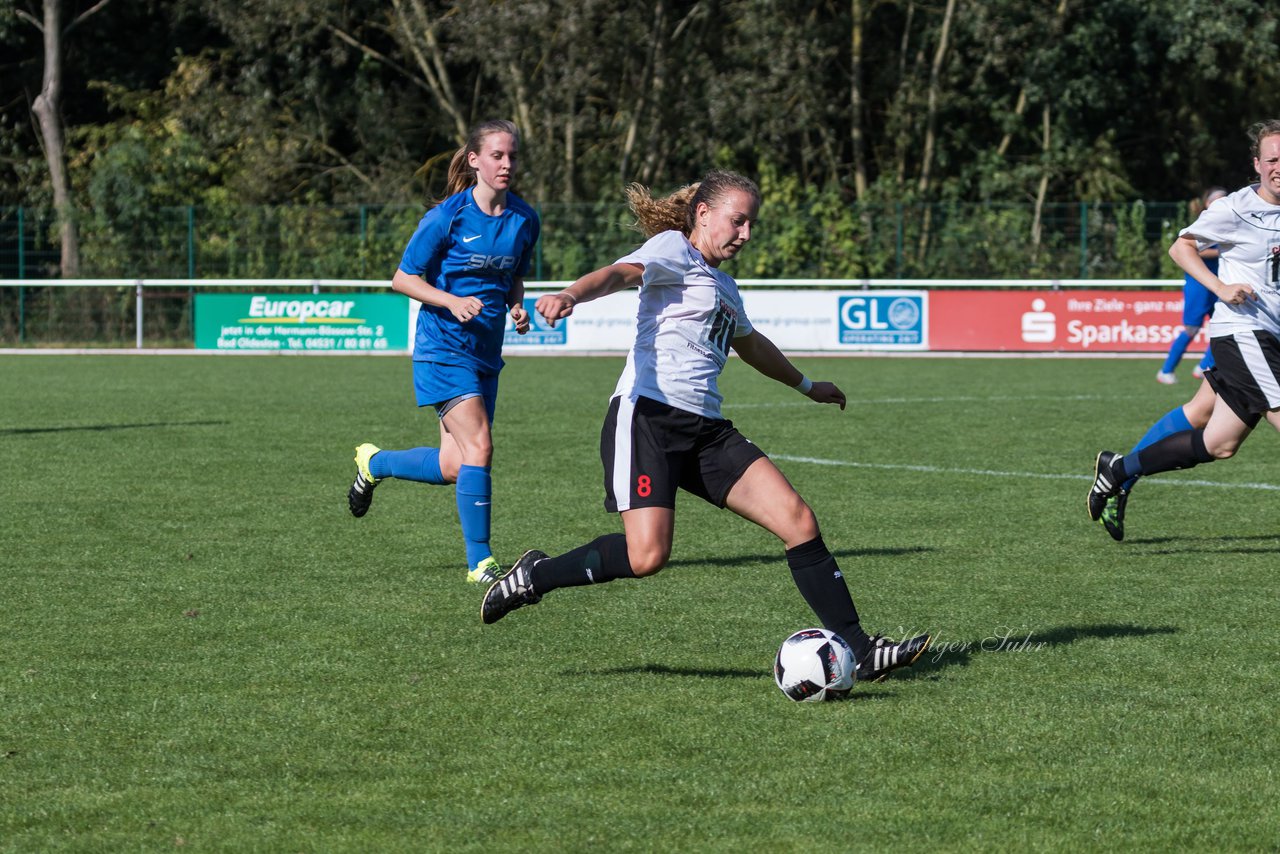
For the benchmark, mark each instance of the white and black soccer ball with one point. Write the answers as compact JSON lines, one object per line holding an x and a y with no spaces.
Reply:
{"x":814,"y":665}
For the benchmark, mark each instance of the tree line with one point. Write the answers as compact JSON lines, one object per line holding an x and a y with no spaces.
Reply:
{"x":114,"y":108}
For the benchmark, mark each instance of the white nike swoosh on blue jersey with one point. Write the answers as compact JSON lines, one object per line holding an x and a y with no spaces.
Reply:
{"x":471,"y":238}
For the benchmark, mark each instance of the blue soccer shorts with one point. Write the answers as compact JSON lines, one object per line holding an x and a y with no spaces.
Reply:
{"x":445,"y":386}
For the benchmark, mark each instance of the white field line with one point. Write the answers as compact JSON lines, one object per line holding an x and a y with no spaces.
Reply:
{"x":1272,"y":487}
{"x":899,"y":400}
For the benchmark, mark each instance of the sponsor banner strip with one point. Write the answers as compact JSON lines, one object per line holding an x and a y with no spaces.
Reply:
{"x":1016,"y":320}
{"x":308,"y":323}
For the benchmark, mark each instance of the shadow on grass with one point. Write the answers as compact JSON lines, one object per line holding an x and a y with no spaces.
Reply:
{"x":714,"y":673}
{"x":945,"y":653}
{"x":101,"y":428}
{"x":940,"y":656}
{"x":665,"y":670}
{"x":780,"y":556}
{"x":1208,"y":545}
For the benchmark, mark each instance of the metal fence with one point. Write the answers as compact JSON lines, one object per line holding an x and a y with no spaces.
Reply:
{"x":364,"y":242}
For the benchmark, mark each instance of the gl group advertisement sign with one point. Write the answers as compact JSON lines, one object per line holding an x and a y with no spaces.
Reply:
{"x":883,"y":320}
{"x":344,"y":323}
{"x":841,"y":320}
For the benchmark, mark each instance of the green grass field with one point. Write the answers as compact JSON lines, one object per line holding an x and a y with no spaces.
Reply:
{"x":202,"y":649}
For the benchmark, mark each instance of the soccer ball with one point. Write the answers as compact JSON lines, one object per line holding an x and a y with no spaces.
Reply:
{"x":814,"y":665}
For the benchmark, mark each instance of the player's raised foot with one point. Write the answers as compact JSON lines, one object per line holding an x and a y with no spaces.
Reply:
{"x":1197,"y":372}
{"x":513,"y":590}
{"x":1113,"y":515}
{"x":1166,"y":378}
{"x":487,"y":571}
{"x":887,"y":655}
{"x":1105,"y":484}
{"x":360,"y":495}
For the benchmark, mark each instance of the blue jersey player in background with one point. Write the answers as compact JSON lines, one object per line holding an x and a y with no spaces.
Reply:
{"x":466,"y":264}
{"x":1197,"y":304}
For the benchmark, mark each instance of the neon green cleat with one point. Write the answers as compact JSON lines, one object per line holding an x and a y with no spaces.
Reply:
{"x":360,"y":495}
{"x":1112,"y":517}
{"x":486,"y":572}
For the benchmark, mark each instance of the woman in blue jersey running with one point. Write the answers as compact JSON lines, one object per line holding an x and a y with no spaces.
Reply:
{"x":1197,"y":304}
{"x":664,"y":431}
{"x":466,"y":264}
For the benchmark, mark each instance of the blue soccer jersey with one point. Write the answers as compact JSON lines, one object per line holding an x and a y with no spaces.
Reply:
{"x":465,"y":252}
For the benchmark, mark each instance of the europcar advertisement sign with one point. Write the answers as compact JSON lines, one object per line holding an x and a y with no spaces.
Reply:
{"x":345,"y":323}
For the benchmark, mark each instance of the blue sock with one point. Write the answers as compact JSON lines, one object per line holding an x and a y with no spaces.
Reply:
{"x":1173,"y":421}
{"x":1207,"y":362}
{"x":1176,"y":349}
{"x":475,"y":505}
{"x":420,"y":464}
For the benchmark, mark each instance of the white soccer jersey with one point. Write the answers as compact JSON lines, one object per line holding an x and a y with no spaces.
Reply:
{"x":689,"y":312}
{"x":1247,"y":231}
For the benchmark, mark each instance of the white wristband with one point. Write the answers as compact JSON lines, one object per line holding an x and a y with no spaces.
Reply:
{"x":804,"y":385}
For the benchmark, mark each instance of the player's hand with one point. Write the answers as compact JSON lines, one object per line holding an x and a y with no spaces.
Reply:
{"x":521,"y":318}
{"x":824,"y":392}
{"x":466,"y":308}
{"x":552,"y":307}
{"x":1237,"y":294}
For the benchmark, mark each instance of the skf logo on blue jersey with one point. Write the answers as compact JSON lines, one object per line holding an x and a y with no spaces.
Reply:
{"x":882,"y":319}
{"x":499,"y":263}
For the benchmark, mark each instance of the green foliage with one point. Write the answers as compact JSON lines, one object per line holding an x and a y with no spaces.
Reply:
{"x":1133,"y":253}
{"x":804,"y":232}
{"x":211,"y":654}
{"x":337,"y":103}
{"x":578,"y":238}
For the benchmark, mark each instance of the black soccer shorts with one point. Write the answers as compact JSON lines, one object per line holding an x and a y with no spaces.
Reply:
{"x":650,"y":450}
{"x":1246,"y":373}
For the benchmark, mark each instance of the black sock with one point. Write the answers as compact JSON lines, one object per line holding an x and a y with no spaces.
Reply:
{"x":1182,"y":450}
{"x":603,"y":559}
{"x":814,"y":570}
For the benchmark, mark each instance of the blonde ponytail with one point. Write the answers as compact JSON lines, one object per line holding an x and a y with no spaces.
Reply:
{"x":675,"y":212}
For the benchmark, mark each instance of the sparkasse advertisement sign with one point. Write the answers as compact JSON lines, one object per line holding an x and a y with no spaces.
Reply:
{"x":346,"y":323}
{"x":1077,"y":321}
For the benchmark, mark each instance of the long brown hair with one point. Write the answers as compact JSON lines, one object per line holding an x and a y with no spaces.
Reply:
{"x":461,"y":175}
{"x":675,"y":212}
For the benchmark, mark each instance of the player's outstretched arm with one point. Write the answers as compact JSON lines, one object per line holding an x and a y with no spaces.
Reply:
{"x":1186,"y":254}
{"x":598,"y":283}
{"x":762,"y":354}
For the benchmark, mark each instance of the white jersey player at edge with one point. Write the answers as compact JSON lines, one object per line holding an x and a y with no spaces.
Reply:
{"x":1245,"y":331}
{"x":663,"y":430}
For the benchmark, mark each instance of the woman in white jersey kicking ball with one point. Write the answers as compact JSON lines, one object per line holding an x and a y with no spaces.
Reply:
{"x":1245,"y":331}
{"x":664,"y":430}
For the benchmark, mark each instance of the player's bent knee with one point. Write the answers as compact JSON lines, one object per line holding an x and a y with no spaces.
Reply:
{"x":646,"y":562}
{"x":477,"y":453}
{"x":801,"y":527}
{"x":1223,"y":450}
